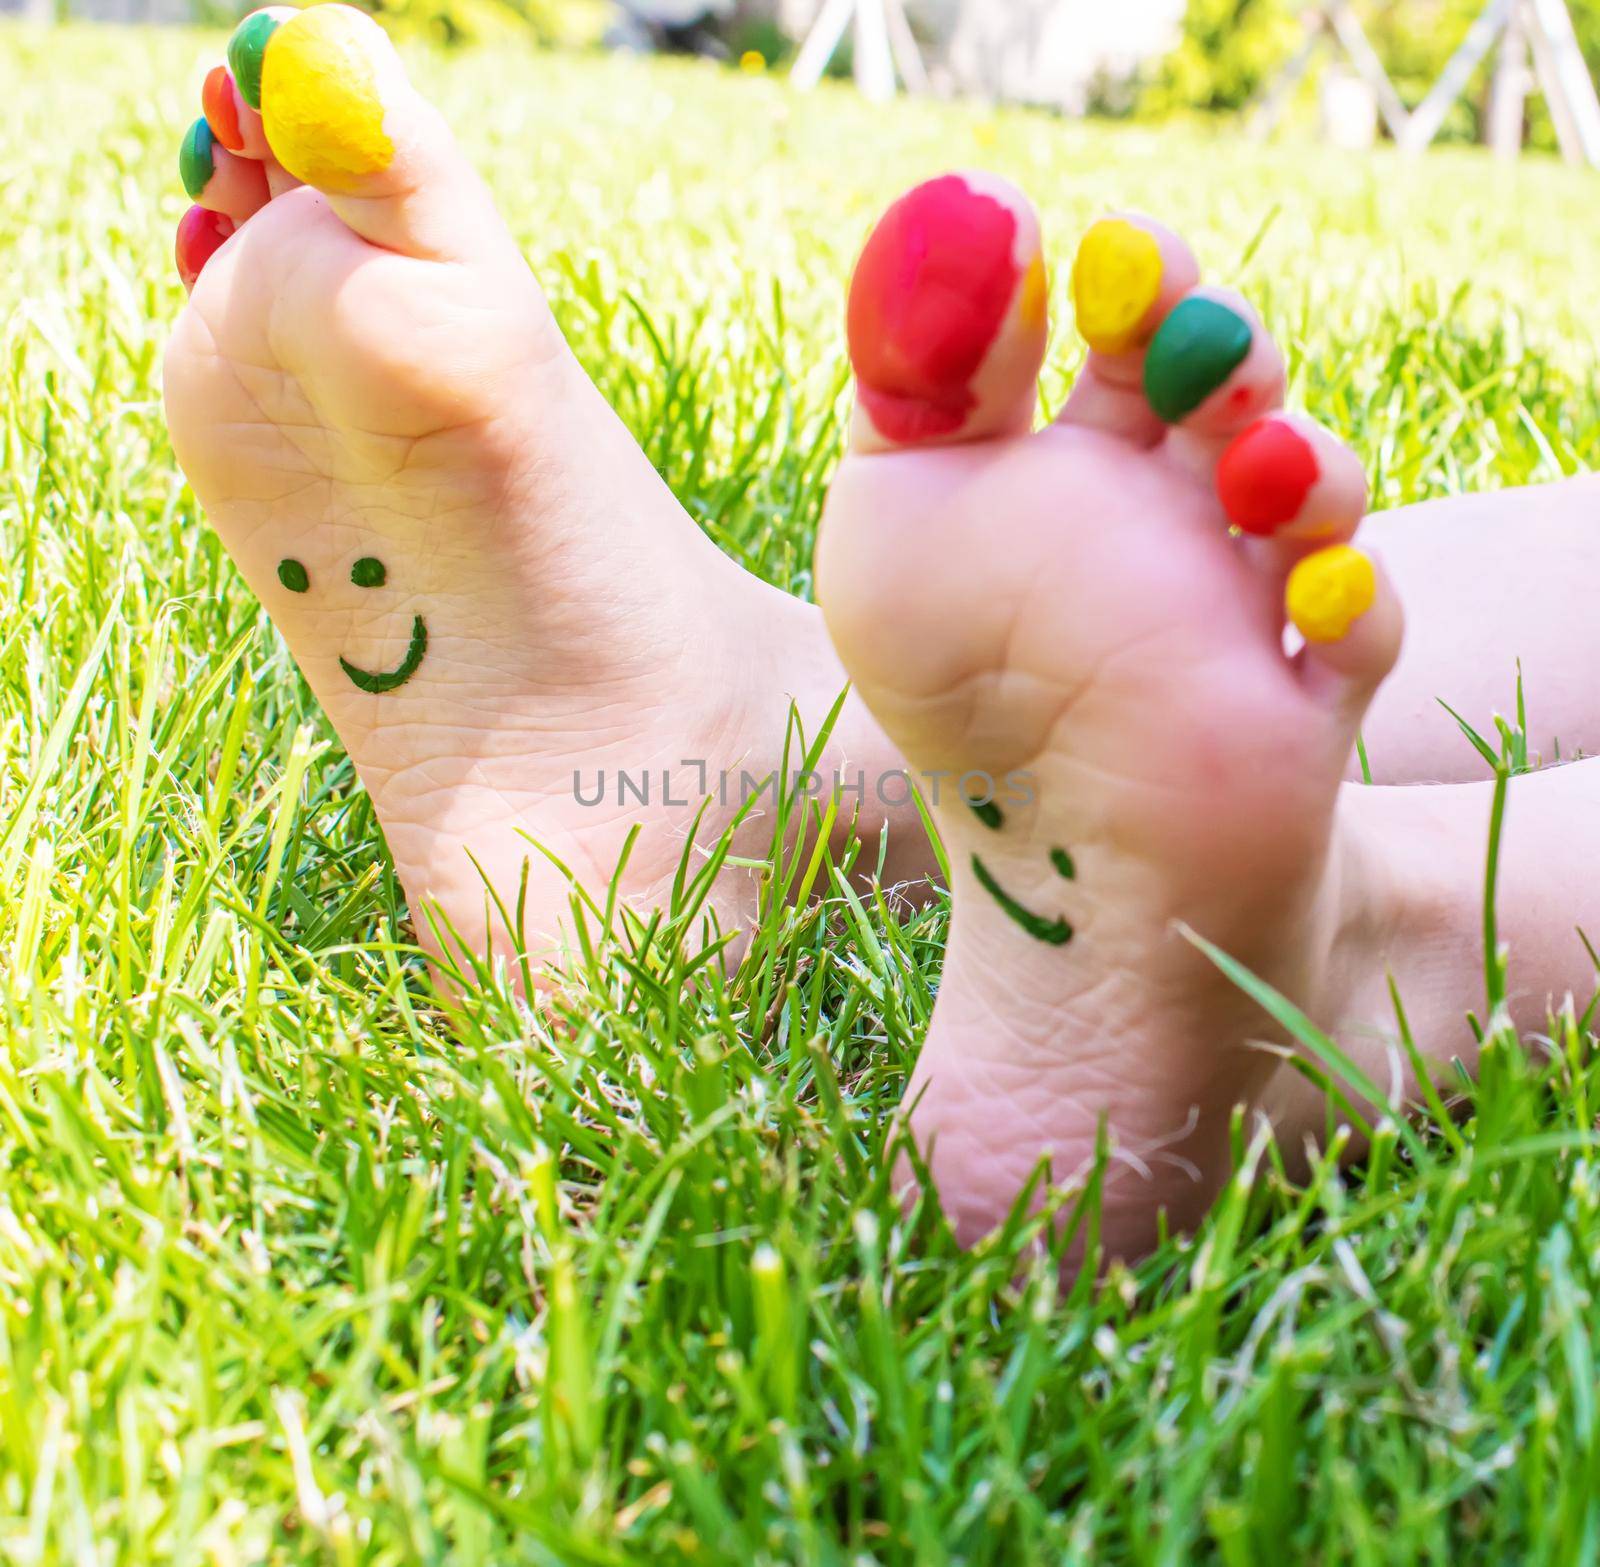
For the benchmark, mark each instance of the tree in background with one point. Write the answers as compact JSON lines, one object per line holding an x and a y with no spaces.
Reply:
{"x":1230,"y":49}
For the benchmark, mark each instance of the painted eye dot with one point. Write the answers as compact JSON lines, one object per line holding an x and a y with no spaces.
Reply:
{"x":988,"y":813}
{"x":369,"y":572}
{"x":293,"y":576}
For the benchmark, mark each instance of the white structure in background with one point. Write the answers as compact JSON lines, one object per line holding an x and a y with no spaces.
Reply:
{"x":883,"y":44}
{"x":1057,"y":53}
{"x":1544,"y":26}
{"x":1562,"y":74}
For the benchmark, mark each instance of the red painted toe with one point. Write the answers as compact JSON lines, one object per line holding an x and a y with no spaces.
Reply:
{"x":929,"y":298}
{"x":200,"y":236}
{"x":1265,"y":475}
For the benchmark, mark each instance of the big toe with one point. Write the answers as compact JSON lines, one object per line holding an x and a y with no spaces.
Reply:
{"x":948,"y":317}
{"x":340,"y":114}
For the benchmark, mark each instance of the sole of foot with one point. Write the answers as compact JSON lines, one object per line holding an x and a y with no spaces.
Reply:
{"x":1088,"y":644}
{"x":486,"y":584}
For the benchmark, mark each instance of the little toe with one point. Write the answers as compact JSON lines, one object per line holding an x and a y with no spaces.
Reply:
{"x":1129,"y":273}
{"x":201,"y":234}
{"x":948,"y":317}
{"x":1342,"y":602}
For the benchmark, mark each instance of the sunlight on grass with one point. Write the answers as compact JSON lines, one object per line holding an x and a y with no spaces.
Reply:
{"x":293,"y":1271}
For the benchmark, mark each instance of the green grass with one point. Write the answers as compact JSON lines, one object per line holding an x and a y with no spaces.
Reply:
{"x":292,"y":1271}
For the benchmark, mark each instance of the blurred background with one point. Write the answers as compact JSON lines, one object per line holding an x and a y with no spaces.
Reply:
{"x":1350,"y":70}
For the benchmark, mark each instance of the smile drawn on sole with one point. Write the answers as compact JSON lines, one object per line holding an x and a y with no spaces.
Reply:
{"x":368,"y":572}
{"x":388,"y":679}
{"x":1056,"y":932}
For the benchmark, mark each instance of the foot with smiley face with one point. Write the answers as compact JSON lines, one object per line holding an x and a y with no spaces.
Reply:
{"x":486,"y":583}
{"x":1088,"y":634}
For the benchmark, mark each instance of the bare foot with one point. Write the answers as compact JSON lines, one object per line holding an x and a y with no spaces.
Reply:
{"x":1064,"y":623}
{"x":486,"y":583}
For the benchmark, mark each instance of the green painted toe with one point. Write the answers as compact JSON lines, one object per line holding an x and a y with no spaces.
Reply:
{"x":245,"y":50}
{"x":196,"y":162}
{"x":1198,"y":347}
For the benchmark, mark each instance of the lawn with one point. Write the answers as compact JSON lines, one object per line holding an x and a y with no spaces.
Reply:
{"x":294,"y":1270}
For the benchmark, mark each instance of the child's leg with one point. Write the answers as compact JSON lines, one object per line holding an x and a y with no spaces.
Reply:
{"x":1488,"y":580}
{"x":1412,"y":904}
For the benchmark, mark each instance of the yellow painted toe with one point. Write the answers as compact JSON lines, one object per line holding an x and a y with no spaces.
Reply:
{"x":322,"y":97}
{"x":1329,"y":591}
{"x":1115,"y":281}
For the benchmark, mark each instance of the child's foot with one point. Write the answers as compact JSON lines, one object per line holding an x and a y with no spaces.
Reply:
{"x":484,"y":580}
{"x":1074,"y":636}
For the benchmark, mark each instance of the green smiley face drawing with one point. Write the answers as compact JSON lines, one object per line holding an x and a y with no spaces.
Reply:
{"x":1053,"y":932}
{"x":368,"y":572}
